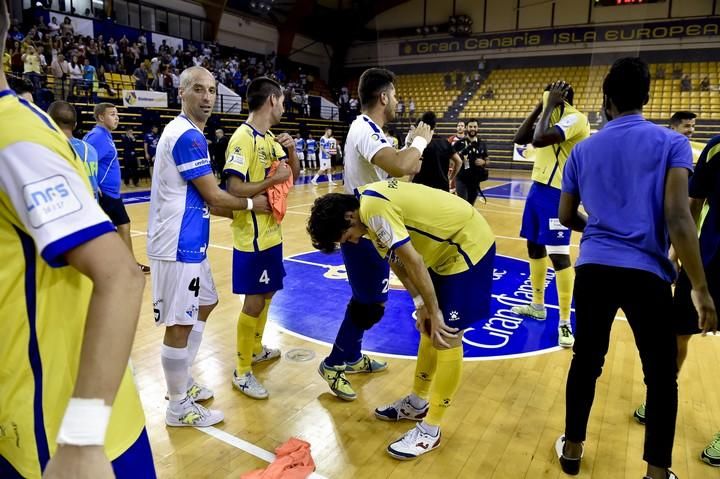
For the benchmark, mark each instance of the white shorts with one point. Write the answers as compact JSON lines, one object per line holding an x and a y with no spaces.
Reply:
{"x":179,"y":289}
{"x":324,"y":163}
{"x":300,"y":155}
{"x":311,"y":157}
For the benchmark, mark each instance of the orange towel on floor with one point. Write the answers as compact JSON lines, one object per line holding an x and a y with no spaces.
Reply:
{"x":277,"y":194}
{"x":292,"y":461}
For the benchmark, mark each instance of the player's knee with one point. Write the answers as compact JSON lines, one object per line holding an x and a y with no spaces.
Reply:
{"x":560,"y":261}
{"x":365,"y":316}
{"x":253,"y":305}
{"x":176,"y":336}
{"x":536,"y":251}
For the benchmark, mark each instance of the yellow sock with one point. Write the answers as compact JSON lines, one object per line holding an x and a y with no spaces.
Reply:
{"x":424,"y":367}
{"x":538,"y":272}
{"x":246,"y":327}
{"x":262,"y":320}
{"x":564,"y":281}
{"x":445,"y":384}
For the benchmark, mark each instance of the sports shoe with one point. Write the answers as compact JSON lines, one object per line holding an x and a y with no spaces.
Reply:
{"x":639,"y":414}
{"x":365,"y":365}
{"x":711,"y":454}
{"x":339,"y":385}
{"x":670,"y":475}
{"x":193,"y":415}
{"x":249,"y":385}
{"x":401,"y":409}
{"x":528,"y":310}
{"x":267,"y":354}
{"x":569,"y":466}
{"x":565,"y":336}
{"x":197,"y":393}
{"x":144,"y":268}
{"x":313,"y":181}
{"x":413,"y":443}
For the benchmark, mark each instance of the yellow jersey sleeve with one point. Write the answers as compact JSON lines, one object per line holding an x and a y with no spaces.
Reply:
{"x":571,"y":125}
{"x":239,"y":153}
{"x":386,"y":227}
{"x":278,"y":151}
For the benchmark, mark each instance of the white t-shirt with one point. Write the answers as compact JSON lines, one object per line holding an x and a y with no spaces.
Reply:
{"x":364,"y":140}
{"x":179,"y":219}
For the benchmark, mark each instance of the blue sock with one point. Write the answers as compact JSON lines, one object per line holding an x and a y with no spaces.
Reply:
{"x":348,"y":343}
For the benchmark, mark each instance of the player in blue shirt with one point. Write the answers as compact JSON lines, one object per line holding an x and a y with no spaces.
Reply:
{"x":300,"y":150}
{"x":150,"y":142}
{"x":109,"y":177}
{"x":64,"y":114}
{"x":311,"y":145}
{"x":632,"y":179}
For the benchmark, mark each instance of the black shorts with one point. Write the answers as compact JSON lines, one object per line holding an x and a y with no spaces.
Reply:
{"x":686,"y":318}
{"x":115,"y":209}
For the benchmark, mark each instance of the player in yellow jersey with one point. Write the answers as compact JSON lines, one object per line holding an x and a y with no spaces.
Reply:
{"x":444,"y":257}
{"x":559,"y":128}
{"x":71,"y":298}
{"x":257,"y":238}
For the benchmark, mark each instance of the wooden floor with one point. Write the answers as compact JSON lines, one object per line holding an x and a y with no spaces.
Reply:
{"x":503,"y":423}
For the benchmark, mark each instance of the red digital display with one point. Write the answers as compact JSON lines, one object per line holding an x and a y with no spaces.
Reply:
{"x":613,"y":3}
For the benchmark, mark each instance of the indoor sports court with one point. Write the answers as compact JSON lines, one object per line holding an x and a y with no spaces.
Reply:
{"x":196,"y":143}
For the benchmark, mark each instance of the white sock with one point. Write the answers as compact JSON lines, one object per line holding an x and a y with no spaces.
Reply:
{"x":193,"y":345}
{"x":537,"y":307}
{"x":429,"y":429}
{"x":417,"y":402}
{"x":174,"y":363}
{"x":564,"y":322}
{"x":315,"y":178}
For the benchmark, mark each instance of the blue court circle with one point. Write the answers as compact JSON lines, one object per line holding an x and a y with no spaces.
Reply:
{"x":312,"y":305}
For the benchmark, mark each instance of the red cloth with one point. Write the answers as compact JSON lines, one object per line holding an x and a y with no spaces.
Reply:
{"x":293,"y":461}
{"x":277,"y":194}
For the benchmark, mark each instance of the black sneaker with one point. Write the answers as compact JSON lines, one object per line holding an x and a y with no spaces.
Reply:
{"x":569,"y":466}
{"x":670,"y":475}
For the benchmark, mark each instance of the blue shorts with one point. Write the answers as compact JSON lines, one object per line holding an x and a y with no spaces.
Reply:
{"x":258,"y":272}
{"x":368,"y":273}
{"x":137,"y":461}
{"x":464,"y":298}
{"x":540,"y":223}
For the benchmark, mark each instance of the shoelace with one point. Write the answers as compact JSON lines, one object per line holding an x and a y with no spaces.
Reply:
{"x":339,"y":376}
{"x":565,"y":330}
{"x":715,"y":443}
{"x":411,"y":437}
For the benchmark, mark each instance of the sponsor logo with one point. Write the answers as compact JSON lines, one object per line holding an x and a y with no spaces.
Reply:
{"x":49,"y":199}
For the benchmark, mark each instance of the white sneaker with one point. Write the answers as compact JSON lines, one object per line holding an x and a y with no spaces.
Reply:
{"x":529,"y":310}
{"x":197,"y":393}
{"x":267,"y":354}
{"x":313,"y":182}
{"x":401,"y":409}
{"x":414,"y":443}
{"x":249,"y":385}
{"x":565,"y":336}
{"x":193,"y":415}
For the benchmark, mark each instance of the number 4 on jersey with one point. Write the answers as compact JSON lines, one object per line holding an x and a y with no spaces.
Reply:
{"x":264,"y":278}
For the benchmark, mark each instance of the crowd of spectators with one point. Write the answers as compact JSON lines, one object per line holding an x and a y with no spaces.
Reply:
{"x":79,"y":64}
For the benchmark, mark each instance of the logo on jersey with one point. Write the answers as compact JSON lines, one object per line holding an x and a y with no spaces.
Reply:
{"x":498,"y":335}
{"x":237,"y":157}
{"x":49,"y":199}
{"x":375,"y":136}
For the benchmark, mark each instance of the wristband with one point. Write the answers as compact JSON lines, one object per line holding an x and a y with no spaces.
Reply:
{"x":249,"y":205}
{"x":419,"y":143}
{"x":418,"y":301}
{"x":85,"y":423}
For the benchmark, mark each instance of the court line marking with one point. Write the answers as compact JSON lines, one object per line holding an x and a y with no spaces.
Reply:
{"x":245,"y":446}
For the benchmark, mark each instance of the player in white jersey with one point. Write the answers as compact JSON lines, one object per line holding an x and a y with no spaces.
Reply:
{"x":300,"y":150}
{"x":324,"y":155}
{"x":369,"y":157}
{"x":183,"y":191}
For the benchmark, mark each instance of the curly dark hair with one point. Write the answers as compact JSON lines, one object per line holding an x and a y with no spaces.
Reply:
{"x":327,"y":221}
